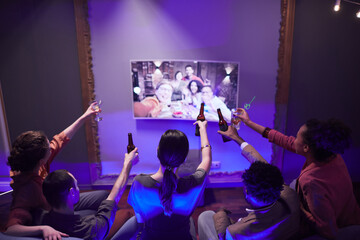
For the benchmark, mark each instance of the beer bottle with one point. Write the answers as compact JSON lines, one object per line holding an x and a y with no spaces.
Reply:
{"x":200,"y":117}
{"x":223,"y":125}
{"x":130,"y":145}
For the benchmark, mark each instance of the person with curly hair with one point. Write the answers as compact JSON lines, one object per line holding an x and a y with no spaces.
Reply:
{"x":324,"y":185}
{"x":30,"y":158}
{"x":274,"y":212}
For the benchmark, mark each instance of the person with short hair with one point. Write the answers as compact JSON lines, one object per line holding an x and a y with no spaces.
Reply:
{"x":189,"y":70}
{"x":324,"y":185}
{"x":212,"y":103}
{"x":274,"y":212}
{"x":62,"y":192}
{"x":30,"y":158}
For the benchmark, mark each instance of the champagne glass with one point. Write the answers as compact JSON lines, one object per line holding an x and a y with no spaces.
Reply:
{"x":97,"y":109}
{"x":235,"y":120}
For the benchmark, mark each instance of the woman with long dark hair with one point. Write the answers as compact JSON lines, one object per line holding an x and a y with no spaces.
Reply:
{"x":163,"y":201}
{"x":324,"y":185}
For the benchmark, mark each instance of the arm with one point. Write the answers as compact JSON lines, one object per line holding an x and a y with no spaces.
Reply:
{"x":74,"y":127}
{"x":120,"y":183}
{"x":205,"y":147}
{"x":248,"y":151}
{"x":46,"y":231}
{"x":244,"y":116}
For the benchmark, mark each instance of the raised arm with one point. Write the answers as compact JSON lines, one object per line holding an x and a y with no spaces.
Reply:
{"x":248,"y":151}
{"x":74,"y":127}
{"x":120,"y":183}
{"x":206,"y":157}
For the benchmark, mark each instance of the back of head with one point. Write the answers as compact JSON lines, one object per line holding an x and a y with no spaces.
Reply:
{"x":172,"y":151}
{"x":27,"y":150}
{"x":263,"y":182}
{"x":326,"y":138}
{"x":56,"y":187}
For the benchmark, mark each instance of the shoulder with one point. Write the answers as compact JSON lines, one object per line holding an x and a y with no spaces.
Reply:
{"x":191,"y":181}
{"x":144,"y":180}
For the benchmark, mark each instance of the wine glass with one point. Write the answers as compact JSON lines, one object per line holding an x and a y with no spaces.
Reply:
{"x":235,"y":120}
{"x":97,"y":109}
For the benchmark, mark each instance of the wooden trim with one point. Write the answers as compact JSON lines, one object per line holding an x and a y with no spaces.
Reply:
{"x":6,"y":126}
{"x":87,"y":84}
{"x":283,"y":74}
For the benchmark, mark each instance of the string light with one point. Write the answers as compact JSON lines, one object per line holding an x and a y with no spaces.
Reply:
{"x":337,"y":6}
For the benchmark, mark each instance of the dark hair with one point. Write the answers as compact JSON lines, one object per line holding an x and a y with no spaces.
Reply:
{"x":177,"y":74}
{"x":27,"y":150}
{"x":263,"y":181}
{"x":172,"y":151}
{"x":198,"y":84}
{"x":326,"y":138}
{"x":189,"y":66}
{"x":56,"y":187}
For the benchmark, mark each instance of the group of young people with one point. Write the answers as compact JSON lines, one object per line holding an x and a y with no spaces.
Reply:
{"x":181,"y":97}
{"x":322,"y":202}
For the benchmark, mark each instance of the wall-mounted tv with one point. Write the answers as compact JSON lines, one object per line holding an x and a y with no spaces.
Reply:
{"x":175,"y":89}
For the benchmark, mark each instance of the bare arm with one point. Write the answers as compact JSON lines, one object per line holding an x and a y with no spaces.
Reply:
{"x":206,"y":157}
{"x":120,"y":183}
{"x":46,"y":231}
{"x":74,"y":127}
{"x":249,"y":152}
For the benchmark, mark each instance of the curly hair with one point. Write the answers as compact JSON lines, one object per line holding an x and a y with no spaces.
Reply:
{"x":27,"y":150}
{"x":263,"y":182}
{"x":326,"y":138}
{"x":172,"y":151}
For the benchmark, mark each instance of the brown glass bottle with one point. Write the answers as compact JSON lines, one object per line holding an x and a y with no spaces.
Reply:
{"x":200,"y":117}
{"x":223,"y":125}
{"x":130,"y":145}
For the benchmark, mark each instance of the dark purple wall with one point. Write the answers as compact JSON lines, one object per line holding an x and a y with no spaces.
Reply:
{"x":39,"y":74}
{"x":325,"y":74}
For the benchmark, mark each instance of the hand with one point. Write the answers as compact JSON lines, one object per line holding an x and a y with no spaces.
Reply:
{"x":51,"y":234}
{"x":243,"y":115}
{"x":202,"y":124}
{"x":132,"y":157}
{"x":91,"y":110}
{"x":230,"y":133}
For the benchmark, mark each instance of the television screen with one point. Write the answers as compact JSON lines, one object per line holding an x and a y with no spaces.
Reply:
{"x":175,"y":89}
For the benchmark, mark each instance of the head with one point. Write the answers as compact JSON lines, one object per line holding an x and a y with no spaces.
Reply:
{"x":172,"y":151}
{"x":178,"y":75}
{"x":322,"y":139}
{"x":60,"y":189}
{"x":263,"y":183}
{"x":195,"y":86}
{"x":30,"y":150}
{"x":164,"y":91}
{"x":207,"y":94}
{"x":189,"y":70}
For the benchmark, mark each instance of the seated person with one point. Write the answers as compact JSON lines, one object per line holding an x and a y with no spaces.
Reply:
{"x":189,"y":70}
{"x":158,"y":106}
{"x":212,"y":103}
{"x":163,"y":201}
{"x":178,"y":86}
{"x":324,"y":186}
{"x":193,"y":93}
{"x":62,"y":193}
{"x":30,"y":158}
{"x":274,"y":213}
